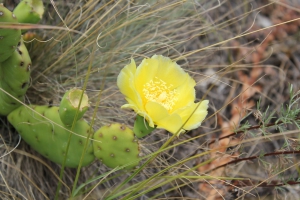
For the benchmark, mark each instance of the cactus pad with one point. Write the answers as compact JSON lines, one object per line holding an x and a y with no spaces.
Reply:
{"x":42,"y":129}
{"x":29,"y":11}
{"x":14,"y":79}
{"x":141,"y":127}
{"x":9,"y":38}
{"x":69,"y":106}
{"x":117,"y":146}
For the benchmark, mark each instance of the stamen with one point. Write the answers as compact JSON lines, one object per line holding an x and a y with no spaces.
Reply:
{"x":159,"y":91}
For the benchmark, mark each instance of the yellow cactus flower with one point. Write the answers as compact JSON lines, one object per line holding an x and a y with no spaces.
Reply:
{"x":163,"y":93}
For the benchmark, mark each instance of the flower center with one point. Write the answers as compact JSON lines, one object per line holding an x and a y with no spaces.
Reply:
{"x":159,"y":91}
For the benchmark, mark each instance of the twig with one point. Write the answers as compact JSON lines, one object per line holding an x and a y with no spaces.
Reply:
{"x":255,"y":157}
{"x":248,"y":129}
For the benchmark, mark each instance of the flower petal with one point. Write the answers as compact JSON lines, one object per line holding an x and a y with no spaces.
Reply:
{"x":162,"y":118}
{"x":197,"y":117}
{"x":169,"y":71}
{"x":185,"y":94}
{"x":145,"y":72}
{"x":125,"y":83}
{"x":139,"y":112}
{"x":130,"y":106}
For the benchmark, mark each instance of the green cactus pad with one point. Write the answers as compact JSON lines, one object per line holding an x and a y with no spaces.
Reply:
{"x":9,"y":38}
{"x":49,"y":136}
{"x":115,"y":145}
{"x":14,"y":79}
{"x":141,"y":127}
{"x":29,"y":11}
{"x":69,"y":106}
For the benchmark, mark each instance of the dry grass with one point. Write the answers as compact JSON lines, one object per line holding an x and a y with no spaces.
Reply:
{"x":235,"y":50}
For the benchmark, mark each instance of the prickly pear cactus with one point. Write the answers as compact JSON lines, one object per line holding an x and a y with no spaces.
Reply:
{"x":115,"y":145}
{"x":9,"y":38}
{"x":141,"y":127}
{"x":29,"y":11}
{"x":14,"y":79}
{"x":69,"y":106}
{"x":49,"y":138}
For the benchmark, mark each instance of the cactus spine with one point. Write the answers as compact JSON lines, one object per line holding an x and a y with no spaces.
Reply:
{"x":115,"y":145}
